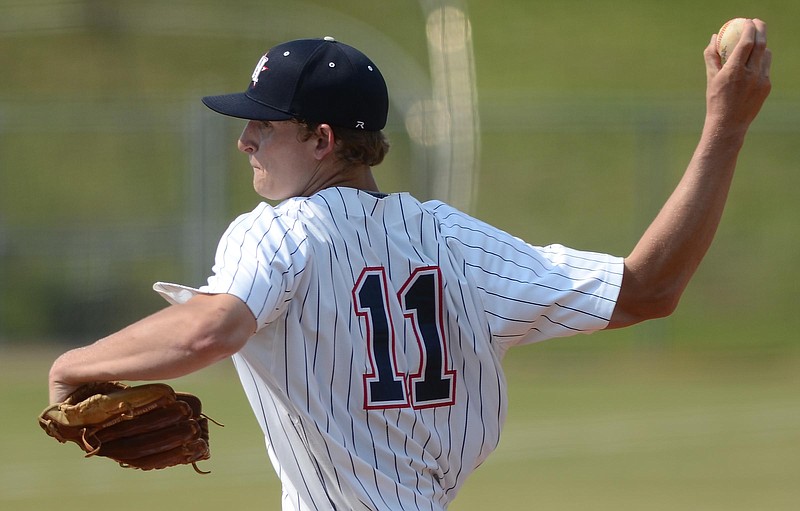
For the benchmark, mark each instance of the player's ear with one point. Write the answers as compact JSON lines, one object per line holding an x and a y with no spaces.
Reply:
{"x":325,"y":141}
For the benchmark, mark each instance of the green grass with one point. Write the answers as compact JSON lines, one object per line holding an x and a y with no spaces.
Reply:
{"x":655,"y":431}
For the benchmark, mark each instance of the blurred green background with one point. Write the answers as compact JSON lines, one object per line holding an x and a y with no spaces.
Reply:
{"x":113,"y":176}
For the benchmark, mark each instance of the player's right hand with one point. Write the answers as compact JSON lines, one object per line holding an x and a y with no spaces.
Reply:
{"x":736,"y":91}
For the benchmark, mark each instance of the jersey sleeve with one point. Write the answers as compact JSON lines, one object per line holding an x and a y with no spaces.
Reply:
{"x":257,"y":260}
{"x":531,"y":294}
{"x":558,"y":293}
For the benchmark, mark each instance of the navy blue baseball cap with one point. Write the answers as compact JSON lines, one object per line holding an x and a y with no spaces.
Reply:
{"x":319,"y":80}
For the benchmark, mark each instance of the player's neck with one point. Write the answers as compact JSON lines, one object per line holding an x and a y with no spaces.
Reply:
{"x":359,"y":177}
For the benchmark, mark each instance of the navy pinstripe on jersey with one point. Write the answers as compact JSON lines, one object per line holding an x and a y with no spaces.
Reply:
{"x":382,"y":321}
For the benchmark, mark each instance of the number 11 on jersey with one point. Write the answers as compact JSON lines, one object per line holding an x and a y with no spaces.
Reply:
{"x":386,"y":386}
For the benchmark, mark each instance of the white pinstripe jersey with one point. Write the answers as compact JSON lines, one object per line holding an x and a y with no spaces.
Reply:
{"x":375,"y":372}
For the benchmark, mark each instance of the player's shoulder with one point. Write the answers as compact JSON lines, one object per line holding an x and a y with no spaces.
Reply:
{"x":248,"y":219}
{"x":454,"y":219}
{"x":262,"y":220}
{"x":442,"y":209}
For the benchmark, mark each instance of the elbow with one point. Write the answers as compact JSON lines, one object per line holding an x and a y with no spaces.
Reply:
{"x":207,"y":341}
{"x":630,"y":311}
{"x":643,"y":300}
{"x":218,"y":332}
{"x":662,"y":305}
{"x":658,"y":302}
{"x":204,"y":344}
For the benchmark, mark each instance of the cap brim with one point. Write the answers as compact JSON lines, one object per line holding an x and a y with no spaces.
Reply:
{"x":240,"y":105}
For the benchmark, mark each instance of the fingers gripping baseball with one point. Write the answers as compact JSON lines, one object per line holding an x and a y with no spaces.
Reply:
{"x":737,"y":89}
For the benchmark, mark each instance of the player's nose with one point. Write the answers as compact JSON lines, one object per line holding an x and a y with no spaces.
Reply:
{"x":246,"y":142}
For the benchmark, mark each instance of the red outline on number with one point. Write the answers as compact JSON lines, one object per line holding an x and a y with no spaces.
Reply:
{"x":371,"y":376}
{"x":447,"y":374}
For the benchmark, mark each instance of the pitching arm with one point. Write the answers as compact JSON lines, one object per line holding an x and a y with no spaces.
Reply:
{"x":661,"y":264}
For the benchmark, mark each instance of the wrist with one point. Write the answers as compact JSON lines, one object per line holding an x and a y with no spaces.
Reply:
{"x":723,"y":135}
{"x":60,"y":383}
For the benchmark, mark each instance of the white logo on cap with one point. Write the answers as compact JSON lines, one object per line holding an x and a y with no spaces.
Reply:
{"x":360,"y":124}
{"x":261,"y":66}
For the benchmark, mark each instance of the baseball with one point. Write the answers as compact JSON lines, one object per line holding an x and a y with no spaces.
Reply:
{"x":728,"y":36}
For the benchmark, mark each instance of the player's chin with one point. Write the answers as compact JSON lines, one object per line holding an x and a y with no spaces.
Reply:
{"x":260,"y":181}
{"x":268,"y":192}
{"x":261,"y":190}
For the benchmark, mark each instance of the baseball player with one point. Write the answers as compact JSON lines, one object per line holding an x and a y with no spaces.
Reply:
{"x":368,"y":329}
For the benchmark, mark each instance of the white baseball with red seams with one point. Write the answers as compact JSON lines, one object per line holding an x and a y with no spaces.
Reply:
{"x":728,"y":36}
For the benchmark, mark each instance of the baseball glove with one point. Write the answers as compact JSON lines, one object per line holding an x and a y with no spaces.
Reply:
{"x":146,"y":426}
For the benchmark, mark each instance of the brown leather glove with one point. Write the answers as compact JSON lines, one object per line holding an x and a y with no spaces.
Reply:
{"x":146,"y":426}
